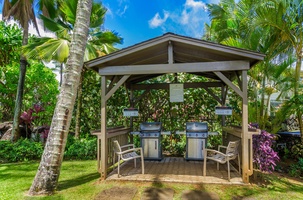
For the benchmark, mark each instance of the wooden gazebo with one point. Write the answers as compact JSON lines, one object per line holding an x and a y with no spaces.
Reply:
{"x":171,"y":53}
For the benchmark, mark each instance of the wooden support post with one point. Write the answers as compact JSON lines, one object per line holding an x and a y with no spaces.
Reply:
{"x":131,"y":118}
{"x":223,"y":98}
{"x":103,"y":148}
{"x":245,"y":138}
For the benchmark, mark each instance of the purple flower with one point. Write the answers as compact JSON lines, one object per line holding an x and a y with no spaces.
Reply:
{"x":264,"y":156}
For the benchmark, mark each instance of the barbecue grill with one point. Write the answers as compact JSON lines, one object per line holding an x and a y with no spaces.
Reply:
{"x":196,"y":138}
{"x":150,"y":137}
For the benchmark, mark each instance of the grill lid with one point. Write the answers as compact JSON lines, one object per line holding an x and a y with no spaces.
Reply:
{"x":150,"y":126}
{"x":196,"y":127}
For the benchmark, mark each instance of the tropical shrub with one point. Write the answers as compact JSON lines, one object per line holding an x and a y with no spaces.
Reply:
{"x":22,"y":150}
{"x":297,"y":151}
{"x":264,"y":157}
{"x":296,"y":170}
{"x":83,"y":149}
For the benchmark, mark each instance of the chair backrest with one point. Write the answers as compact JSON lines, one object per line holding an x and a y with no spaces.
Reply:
{"x":117,"y":147}
{"x":232,"y":149}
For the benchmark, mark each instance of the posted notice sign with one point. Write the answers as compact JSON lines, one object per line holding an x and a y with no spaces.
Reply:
{"x":223,"y":110}
{"x":130,"y":112}
{"x":176,"y":92}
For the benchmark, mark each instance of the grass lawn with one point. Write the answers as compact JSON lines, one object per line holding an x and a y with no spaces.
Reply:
{"x":80,"y":180}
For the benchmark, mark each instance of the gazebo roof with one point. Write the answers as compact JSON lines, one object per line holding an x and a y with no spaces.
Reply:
{"x":169,"y":53}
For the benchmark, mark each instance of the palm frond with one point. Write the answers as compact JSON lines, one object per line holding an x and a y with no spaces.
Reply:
{"x":97,"y":16}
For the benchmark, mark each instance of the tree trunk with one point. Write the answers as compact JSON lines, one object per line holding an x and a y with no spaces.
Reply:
{"x":47,"y":176}
{"x":19,"y":97}
{"x":297,"y":86}
{"x":262,"y":120}
{"x":79,"y":105}
{"x":61,"y":74}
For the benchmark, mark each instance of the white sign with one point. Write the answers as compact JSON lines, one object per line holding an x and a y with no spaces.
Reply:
{"x":224,"y":110}
{"x":130,"y":112}
{"x":176,"y":92}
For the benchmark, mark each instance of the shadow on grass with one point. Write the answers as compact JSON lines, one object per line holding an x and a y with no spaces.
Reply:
{"x":63,"y":185}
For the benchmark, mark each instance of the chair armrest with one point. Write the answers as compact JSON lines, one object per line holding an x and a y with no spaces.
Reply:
{"x":221,"y":146}
{"x":128,"y":145}
{"x":214,"y":152}
{"x":130,"y":150}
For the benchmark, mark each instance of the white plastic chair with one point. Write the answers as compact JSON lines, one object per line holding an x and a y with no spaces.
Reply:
{"x":231,"y":153}
{"x":129,"y":154}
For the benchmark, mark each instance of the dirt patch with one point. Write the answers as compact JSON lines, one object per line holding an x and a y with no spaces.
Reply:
{"x":117,"y":193}
{"x":158,"y":194}
{"x":197,"y":195}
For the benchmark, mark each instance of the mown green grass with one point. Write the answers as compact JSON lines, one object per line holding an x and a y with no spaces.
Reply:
{"x":80,"y":180}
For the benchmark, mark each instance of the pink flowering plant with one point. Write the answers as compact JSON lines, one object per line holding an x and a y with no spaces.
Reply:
{"x":28,"y":118}
{"x":264,"y":157}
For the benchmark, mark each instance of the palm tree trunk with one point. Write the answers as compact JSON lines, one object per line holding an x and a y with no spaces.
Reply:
{"x":47,"y":176}
{"x":18,"y":104}
{"x":262,"y":118}
{"x":61,"y":74}
{"x":297,"y":84}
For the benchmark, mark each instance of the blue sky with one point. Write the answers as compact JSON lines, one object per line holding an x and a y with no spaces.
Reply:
{"x":139,"y":20}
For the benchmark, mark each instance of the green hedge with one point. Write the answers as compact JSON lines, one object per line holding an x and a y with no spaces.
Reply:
{"x":83,"y":149}
{"x":26,"y":150}
{"x":22,"y":150}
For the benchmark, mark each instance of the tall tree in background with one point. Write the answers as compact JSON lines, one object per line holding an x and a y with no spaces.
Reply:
{"x":100,"y":42}
{"x":233,"y":24}
{"x":47,"y":176}
{"x":21,"y":11}
{"x":286,"y":18}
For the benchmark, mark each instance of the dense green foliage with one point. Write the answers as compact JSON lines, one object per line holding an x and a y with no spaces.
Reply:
{"x":296,"y":169}
{"x":39,"y":79}
{"x":22,"y":150}
{"x":82,"y":149}
{"x":28,"y":150}
{"x":274,"y":28}
{"x":41,"y":86}
{"x":10,"y":44}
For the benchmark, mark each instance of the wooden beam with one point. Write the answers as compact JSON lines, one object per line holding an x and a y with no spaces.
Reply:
{"x":141,"y":96}
{"x":128,"y":95}
{"x":246,"y":147}
{"x":229,"y":83}
{"x":212,"y":94}
{"x":165,"y":86}
{"x":103,"y":149}
{"x":114,"y":89}
{"x":175,"y":68}
{"x":112,"y":82}
{"x":170,"y":53}
{"x":239,"y":80}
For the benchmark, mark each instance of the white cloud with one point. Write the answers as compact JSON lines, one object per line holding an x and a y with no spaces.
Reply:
{"x":189,"y":20}
{"x":184,"y":17}
{"x":122,"y":12}
{"x":157,"y":21}
{"x":43,"y":32}
{"x":32,"y":30}
{"x":195,"y":4}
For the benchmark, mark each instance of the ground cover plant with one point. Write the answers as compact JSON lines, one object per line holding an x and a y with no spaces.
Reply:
{"x":80,"y":180}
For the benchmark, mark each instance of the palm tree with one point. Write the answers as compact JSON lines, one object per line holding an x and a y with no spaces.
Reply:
{"x":232,"y":24}
{"x":22,"y":11}
{"x":99,"y":43}
{"x":286,"y":18}
{"x":46,"y":179}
